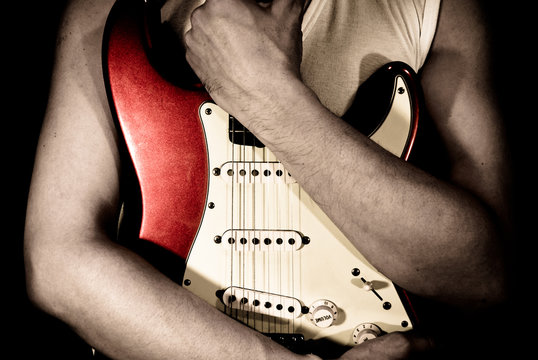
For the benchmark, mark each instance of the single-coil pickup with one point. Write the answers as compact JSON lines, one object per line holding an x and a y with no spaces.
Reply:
{"x":248,"y":240}
{"x":260,"y":302}
{"x":254,"y":172}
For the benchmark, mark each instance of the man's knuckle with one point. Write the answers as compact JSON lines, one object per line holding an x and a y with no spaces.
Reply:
{"x":188,"y":39}
{"x":196,"y":18}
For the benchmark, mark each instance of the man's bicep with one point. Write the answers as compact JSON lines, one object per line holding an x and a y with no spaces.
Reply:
{"x":75,"y":179}
{"x":459,"y":95}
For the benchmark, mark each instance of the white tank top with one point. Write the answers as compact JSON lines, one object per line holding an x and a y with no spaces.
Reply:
{"x":345,"y":41}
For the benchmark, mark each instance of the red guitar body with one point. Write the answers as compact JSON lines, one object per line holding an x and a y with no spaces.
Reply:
{"x":160,"y":124}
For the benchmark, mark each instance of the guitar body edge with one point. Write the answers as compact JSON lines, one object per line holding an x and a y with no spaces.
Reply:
{"x":166,"y":142}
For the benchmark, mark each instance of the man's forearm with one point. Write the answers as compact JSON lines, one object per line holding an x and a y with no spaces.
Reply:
{"x":415,"y":228}
{"x":421,"y":232}
{"x":126,"y":309}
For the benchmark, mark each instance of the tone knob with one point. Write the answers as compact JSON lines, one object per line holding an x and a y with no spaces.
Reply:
{"x":365,"y":332}
{"x":323,"y":313}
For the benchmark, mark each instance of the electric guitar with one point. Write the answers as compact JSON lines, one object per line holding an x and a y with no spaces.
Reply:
{"x":256,"y":246}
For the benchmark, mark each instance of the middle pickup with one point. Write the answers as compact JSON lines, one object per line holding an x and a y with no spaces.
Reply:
{"x":254,"y":172}
{"x":247,"y":240}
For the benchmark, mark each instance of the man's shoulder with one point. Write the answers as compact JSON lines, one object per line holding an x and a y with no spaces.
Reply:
{"x":85,"y":15}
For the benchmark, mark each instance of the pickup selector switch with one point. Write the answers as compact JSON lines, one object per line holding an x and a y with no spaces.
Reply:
{"x":365,"y":332}
{"x":323,"y":313}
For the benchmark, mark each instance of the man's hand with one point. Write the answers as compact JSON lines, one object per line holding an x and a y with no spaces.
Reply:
{"x":246,"y":54}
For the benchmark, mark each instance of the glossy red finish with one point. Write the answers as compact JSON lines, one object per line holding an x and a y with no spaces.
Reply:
{"x":163,"y":133}
{"x":415,"y":110}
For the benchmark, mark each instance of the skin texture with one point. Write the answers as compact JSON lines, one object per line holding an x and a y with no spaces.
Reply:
{"x":450,"y":229}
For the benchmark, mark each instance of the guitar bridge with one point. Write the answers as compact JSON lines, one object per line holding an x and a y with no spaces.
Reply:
{"x":294,"y":342}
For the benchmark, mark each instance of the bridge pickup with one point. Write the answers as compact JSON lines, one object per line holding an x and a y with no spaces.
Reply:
{"x":250,"y":240}
{"x":255,"y":172}
{"x":260,"y":302}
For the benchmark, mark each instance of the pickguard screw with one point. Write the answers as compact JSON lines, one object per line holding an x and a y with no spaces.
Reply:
{"x":211,"y":205}
{"x":216,"y":171}
{"x":355,"y":272}
{"x":208,"y":111}
{"x":186,"y":282}
{"x":401,"y":90}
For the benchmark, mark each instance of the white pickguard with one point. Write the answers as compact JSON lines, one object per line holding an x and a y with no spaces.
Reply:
{"x":246,"y":202}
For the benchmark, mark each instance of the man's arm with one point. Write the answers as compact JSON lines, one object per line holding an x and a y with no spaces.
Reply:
{"x":114,"y":299}
{"x":440,"y":239}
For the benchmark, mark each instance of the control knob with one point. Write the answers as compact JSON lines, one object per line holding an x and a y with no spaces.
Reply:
{"x":365,"y":332}
{"x":323,"y":313}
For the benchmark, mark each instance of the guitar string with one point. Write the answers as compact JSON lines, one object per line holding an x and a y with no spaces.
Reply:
{"x":267,"y":216}
{"x":253,"y":227}
{"x":273,"y":215}
{"x":276,"y":258}
{"x":285,"y":254}
{"x":251,"y":258}
{"x":244,"y":224}
{"x":253,"y":177}
{"x":231,"y":239}
{"x":265,"y":225}
{"x":244,"y":239}
{"x":243,"y":203}
{"x":241,"y":225}
{"x":292,"y":253}
{"x":277,"y":323}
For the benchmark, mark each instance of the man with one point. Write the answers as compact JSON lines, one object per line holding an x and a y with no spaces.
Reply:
{"x":450,"y":231}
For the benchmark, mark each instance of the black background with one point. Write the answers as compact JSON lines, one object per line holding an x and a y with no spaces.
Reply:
{"x":28,"y":36}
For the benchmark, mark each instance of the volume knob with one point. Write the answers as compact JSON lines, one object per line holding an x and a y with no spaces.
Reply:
{"x":323,"y":313}
{"x":365,"y":332}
